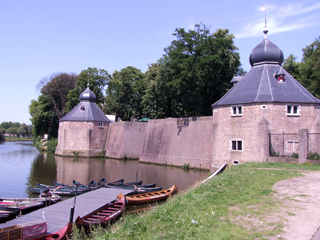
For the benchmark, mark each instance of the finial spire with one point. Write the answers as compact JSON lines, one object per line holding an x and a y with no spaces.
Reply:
{"x":265,"y":31}
{"x":88,"y":81}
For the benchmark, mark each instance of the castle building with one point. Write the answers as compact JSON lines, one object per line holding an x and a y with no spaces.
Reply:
{"x":266,"y":114}
{"x":266,"y":102}
{"x":83,"y":131}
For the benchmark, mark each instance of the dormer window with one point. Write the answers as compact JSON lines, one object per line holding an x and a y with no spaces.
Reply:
{"x":280,"y":75}
{"x":293,"y":110}
{"x":236,"y":111}
{"x":281,"y":78}
{"x":82,"y":108}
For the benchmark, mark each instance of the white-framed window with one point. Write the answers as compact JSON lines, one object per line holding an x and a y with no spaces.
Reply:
{"x":236,"y":110}
{"x":236,"y":145}
{"x":293,"y":110}
{"x":100,"y":124}
{"x":293,"y":146}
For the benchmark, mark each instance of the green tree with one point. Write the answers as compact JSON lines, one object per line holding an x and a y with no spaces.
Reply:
{"x":10,"y":124}
{"x":202,"y":66}
{"x":23,"y":130}
{"x":124,"y":93}
{"x":159,"y":100}
{"x":12,"y":130}
{"x":98,"y":78}
{"x":292,"y":66}
{"x":5,"y":125}
{"x":57,"y":87}
{"x":310,"y":68}
{"x":43,"y":117}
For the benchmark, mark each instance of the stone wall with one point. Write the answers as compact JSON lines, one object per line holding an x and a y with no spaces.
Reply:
{"x":85,"y":139}
{"x":125,"y":139}
{"x":253,"y":127}
{"x":179,"y":141}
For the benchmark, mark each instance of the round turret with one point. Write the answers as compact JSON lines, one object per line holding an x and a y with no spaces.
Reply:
{"x":266,"y":52}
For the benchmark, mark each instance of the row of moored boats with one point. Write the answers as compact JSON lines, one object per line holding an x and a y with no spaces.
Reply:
{"x":104,"y":216}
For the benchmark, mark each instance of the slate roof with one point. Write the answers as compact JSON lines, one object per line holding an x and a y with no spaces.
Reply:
{"x":87,"y":110}
{"x":260,"y":84}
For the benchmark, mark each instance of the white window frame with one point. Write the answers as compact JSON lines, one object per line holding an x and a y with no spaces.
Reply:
{"x":100,"y":124}
{"x":238,"y":147}
{"x":236,"y":111}
{"x":293,"y":110}
{"x":294,"y":144}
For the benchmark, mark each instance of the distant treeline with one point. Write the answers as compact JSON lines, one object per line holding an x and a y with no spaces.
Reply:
{"x":15,"y":129}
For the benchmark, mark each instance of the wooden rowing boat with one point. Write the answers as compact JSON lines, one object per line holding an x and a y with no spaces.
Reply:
{"x":62,"y":234}
{"x":150,"y":197}
{"x":8,"y":213}
{"x":103,"y":216}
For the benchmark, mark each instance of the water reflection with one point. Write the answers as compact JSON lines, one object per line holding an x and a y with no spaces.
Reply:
{"x":86,"y":169}
{"x":22,"y":165}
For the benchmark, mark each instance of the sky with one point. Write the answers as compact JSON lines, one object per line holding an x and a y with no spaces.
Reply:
{"x":41,"y":38}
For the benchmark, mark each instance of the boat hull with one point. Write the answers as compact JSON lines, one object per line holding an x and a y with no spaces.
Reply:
{"x":103,"y":216}
{"x":150,"y":197}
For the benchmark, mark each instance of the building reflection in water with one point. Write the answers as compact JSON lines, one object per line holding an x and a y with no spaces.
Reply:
{"x":84,"y":170}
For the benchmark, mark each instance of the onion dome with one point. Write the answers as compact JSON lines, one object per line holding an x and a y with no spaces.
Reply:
{"x":87,"y":95}
{"x":266,"y":52}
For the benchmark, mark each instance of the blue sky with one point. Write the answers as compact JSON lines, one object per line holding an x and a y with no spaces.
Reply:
{"x":39,"y":38}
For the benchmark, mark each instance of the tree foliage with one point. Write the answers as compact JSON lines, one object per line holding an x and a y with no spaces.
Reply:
{"x":50,"y":107}
{"x":307,"y":72}
{"x":159,"y":100}
{"x":57,"y":87}
{"x":310,"y":67}
{"x":43,"y":118}
{"x":97,"y":78}
{"x":25,"y":130}
{"x":124,"y":93}
{"x":7,"y":125}
{"x":202,"y":66}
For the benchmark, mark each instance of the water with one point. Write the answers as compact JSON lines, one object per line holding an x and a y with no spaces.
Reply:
{"x":22,"y":165}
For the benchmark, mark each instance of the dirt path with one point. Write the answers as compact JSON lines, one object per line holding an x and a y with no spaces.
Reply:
{"x":303,"y":195}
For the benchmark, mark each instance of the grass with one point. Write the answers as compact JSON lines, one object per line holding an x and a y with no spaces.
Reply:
{"x":10,"y":139}
{"x":236,"y":204}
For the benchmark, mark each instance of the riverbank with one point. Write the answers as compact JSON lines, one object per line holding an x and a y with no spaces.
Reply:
{"x":248,"y":201}
{"x":11,"y":139}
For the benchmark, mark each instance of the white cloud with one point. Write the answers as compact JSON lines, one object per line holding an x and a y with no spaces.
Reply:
{"x":282,"y":19}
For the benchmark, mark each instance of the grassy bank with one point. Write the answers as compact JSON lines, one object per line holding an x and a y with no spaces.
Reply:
{"x":236,"y":204}
{"x":11,"y":139}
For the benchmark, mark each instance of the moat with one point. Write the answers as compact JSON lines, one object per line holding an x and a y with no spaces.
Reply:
{"x":22,"y":166}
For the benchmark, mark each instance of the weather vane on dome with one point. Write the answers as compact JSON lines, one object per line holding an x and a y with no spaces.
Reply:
{"x":264,"y":8}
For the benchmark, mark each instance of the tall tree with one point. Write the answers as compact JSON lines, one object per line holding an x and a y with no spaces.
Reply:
{"x":202,"y":66}
{"x":98,"y":78}
{"x":43,"y":117}
{"x":24,"y":130}
{"x":124,"y":93}
{"x":159,"y":100}
{"x":310,"y":67}
{"x":292,"y":66}
{"x":57,"y":87}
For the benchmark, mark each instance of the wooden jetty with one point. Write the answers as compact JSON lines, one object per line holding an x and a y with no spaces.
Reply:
{"x":58,"y":214}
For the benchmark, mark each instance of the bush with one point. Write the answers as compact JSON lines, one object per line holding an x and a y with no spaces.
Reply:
{"x":295,"y":155}
{"x":52,"y":144}
{"x":314,"y":156}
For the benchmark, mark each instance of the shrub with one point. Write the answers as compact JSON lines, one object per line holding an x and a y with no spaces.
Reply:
{"x":52,"y":144}
{"x":314,"y":156}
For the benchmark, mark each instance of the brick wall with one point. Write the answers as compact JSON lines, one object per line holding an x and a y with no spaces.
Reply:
{"x":85,"y":138}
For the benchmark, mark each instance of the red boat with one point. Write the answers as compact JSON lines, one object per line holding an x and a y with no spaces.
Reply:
{"x":103,"y":216}
{"x":60,"y":235}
